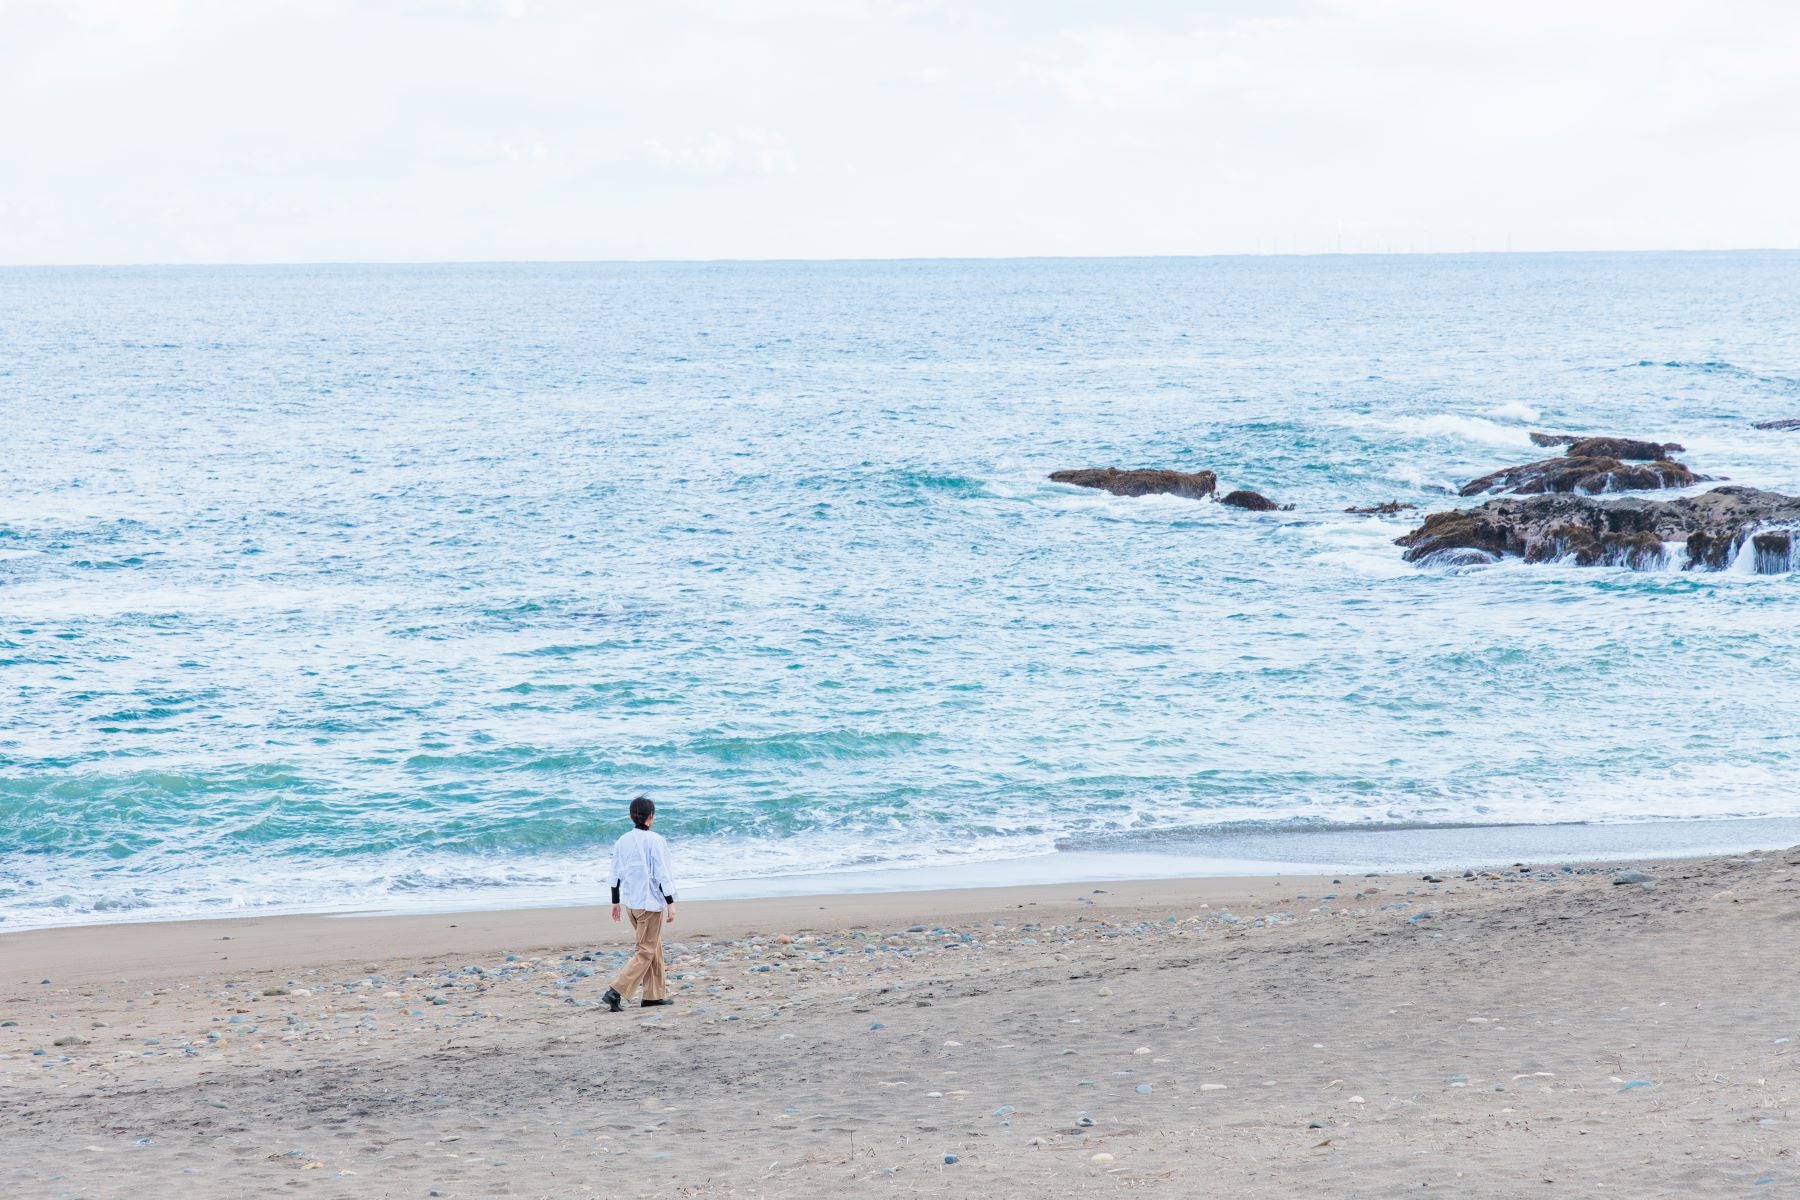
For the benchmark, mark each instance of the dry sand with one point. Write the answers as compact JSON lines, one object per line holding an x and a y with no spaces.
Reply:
{"x":1540,"y":1032}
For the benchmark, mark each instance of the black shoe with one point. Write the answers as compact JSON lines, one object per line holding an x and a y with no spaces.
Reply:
{"x":613,"y":1000}
{"x":655,"y":1003}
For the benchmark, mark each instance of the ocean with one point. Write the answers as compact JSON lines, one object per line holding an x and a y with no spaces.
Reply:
{"x":351,"y":587}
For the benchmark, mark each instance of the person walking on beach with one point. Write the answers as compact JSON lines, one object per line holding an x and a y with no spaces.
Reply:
{"x":642,"y":880}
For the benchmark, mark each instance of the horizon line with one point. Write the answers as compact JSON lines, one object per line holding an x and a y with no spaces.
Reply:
{"x":251,"y":264}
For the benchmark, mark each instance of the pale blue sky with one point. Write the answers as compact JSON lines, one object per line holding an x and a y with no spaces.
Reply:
{"x":332,"y":130}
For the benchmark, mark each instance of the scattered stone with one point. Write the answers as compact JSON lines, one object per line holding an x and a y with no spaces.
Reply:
{"x":950,"y":1159}
{"x":1102,"y":1157}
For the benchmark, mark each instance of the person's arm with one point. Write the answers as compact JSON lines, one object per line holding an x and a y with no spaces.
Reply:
{"x":616,"y":880}
{"x":665,"y":879}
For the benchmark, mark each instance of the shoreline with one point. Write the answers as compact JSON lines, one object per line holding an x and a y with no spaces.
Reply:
{"x":1220,"y":853}
{"x":1262,"y":1036}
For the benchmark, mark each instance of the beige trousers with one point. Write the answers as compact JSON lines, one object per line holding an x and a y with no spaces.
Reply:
{"x":645,"y":966}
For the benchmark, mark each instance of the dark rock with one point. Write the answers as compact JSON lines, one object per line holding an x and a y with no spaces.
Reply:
{"x":1386,"y":508}
{"x":1774,"y":552}
{"x":1195,"y":486}
{"x":1607,"y":447}
{"x":1784,"y":423}
{"x":1254,"y":501}
{"x":1627,"y":448}
{"x":1708,"y":530}
{"x":1585,"y":475}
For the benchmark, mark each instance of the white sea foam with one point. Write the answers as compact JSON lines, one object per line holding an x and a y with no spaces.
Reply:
{"x":1515,"y":411}
{"x":1475,"y":429}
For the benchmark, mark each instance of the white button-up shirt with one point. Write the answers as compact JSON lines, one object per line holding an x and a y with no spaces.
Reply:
{"x":640,"y":871}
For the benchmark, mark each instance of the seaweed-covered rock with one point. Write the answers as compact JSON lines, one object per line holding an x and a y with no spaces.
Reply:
{"x":1584,"y":474}
{"x":1704,"y":532}
{"x":1783,"y":423}
{"x":1254,"y":501}
{"x":1386,"y":508}
{"x":1195,"y":486}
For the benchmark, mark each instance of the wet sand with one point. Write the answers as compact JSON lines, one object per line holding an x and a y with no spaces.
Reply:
{"x":1548,"y":1031}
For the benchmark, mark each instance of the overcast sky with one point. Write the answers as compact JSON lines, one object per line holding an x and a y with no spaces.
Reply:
{"x":335,"y":130}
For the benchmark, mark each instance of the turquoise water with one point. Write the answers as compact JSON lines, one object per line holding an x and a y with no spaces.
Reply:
{"x":351,"y":586}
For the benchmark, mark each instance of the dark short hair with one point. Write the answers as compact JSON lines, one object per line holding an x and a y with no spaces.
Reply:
{"x":642,"y":809}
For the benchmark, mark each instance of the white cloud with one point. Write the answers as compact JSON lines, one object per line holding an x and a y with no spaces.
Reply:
{"x":753,"y":150}
{"x":150,"y":130}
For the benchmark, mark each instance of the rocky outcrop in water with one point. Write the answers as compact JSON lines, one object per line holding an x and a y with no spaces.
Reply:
{"x":1704,"y":532}
{"x":1196,"y":486}
{"x":1589,"y":469}
{"x":1784,"y":423}
{"x":1254,"y":501}
{"x":1386,"y":508}
{"x":1581,"y":446}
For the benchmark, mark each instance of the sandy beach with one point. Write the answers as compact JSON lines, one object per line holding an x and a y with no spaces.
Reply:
{"x":1543,"y":1029}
